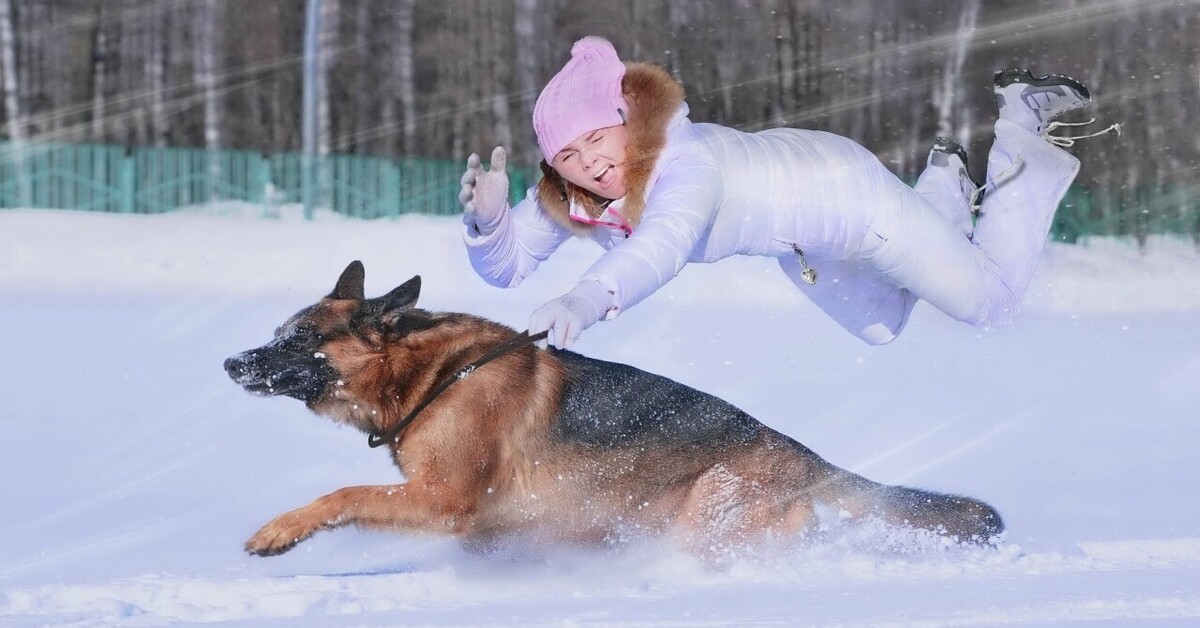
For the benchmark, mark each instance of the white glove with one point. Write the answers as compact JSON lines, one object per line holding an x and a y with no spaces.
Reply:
{"x":484,"y":194}
{"x":567,"y":316}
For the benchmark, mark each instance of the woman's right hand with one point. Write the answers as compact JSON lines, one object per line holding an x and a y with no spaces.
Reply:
{"x":484,"y":194}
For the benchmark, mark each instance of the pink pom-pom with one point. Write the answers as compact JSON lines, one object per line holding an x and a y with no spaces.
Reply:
{"x":595,"y":45}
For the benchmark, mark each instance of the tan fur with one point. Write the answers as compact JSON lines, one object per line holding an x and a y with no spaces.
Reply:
{"x":653,"y":96}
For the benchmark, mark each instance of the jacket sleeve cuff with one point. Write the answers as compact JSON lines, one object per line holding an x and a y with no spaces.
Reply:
{"x":602,"y":292}
{"x":490,"y":254}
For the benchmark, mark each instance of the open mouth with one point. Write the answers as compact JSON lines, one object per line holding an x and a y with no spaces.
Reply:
{"x":287,"y":381}
{"x":271,"y":387}
{"x":603,"y":178}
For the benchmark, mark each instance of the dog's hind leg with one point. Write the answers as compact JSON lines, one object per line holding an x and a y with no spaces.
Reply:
{"x":796,"y":519}
{"x":735,"y":505}
{"x":398,"y":506}
{"x":726,"y":512}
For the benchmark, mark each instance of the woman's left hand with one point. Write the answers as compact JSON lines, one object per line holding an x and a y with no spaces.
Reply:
{"x":567,"y":316}
{"x":484,"y":193}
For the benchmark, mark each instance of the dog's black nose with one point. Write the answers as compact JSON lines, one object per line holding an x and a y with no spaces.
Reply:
{"x":234,"y":366}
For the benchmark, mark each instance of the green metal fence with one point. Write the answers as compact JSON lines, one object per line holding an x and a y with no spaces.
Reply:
{"x":1140,"y":210}
{"x":149,"y":180}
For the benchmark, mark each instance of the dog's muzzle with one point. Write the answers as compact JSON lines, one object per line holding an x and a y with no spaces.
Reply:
{"x":271,"y":373}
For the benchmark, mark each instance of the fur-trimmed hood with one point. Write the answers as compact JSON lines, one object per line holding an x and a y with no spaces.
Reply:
{"x":653,"y":97}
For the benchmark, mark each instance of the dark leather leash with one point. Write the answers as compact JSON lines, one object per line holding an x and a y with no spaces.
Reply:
{"x":508,"y":346}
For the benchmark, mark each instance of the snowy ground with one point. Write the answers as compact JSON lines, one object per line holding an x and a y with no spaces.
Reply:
{"x":134,"y":469}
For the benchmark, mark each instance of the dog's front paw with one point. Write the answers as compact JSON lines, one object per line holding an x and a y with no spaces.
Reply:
{"x":283,"y":533}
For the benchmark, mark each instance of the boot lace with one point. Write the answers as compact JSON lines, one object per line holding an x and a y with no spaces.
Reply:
{"x":976,"y":199}
{"x":1069,"y":140}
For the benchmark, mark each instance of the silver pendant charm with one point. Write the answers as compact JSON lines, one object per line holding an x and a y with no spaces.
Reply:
{"x":809,"y":274}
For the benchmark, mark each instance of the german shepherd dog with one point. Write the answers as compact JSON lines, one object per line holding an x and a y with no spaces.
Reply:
{"x":550,"y":445}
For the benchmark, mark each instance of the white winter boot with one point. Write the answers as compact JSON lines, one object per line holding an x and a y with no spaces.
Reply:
{"x":949,"y":154}
{"x":1035,"y":102}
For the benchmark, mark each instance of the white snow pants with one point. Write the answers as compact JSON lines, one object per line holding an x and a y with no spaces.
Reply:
{"x":919,"y":245}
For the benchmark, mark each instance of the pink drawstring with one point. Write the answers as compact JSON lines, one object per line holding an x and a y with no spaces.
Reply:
{"x":623,"y":225}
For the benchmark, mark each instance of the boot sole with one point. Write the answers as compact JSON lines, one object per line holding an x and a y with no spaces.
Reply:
{"x":949,"y":147}
{"x":1004,"y":78}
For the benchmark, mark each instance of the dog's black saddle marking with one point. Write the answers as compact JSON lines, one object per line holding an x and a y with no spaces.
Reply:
{"x":610,"y":404}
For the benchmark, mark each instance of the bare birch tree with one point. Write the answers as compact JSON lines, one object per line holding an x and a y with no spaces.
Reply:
{"x":8,"y":64}
{"x":48,"y":114}
{"x":495,"y":54}
{"x":100,"y":52}
{"x":155,"y":59}
{"x":328,"y":46}
{"x":946,"y":96}
{"x":464,"y":89}
{"x":12,"y":102}
{"x":206,"y":68}
{"x":406,"y":85}
{"x":364,"y":82}
{"x":525,"y":31}
{"x":36,"y":75}
{"x":330,"y":24}
{"x":785,"y":63}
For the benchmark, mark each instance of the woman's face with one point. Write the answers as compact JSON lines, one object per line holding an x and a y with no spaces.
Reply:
{"x":595,"y":161}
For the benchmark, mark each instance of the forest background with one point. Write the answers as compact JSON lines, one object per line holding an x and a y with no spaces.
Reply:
{"x":442,"y":79}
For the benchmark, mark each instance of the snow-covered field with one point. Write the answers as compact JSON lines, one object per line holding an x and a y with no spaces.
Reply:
{"x":133,"y":469}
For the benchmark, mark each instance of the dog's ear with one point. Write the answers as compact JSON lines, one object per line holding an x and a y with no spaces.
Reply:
{"x":401,"y":298}
{"x":350,"y":284}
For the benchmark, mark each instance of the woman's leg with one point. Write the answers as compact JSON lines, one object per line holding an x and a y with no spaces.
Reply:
{"x":913,"y":246}
{"x":984,"y":280}
{"x":947,"y":186}
{"x":1016,"y":214}
{"x":915,"y":249}
{"x":856,"y":296}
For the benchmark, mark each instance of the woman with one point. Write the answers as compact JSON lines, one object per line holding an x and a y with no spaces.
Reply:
{"x":625,"y":167}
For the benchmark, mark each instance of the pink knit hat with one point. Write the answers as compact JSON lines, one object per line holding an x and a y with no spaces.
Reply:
{"x":584,"y":96}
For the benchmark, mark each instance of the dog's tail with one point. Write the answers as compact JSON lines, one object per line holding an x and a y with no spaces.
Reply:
{"x":963,"y":518}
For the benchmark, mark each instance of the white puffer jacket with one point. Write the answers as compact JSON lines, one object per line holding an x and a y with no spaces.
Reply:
{"x":713,"y":192}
